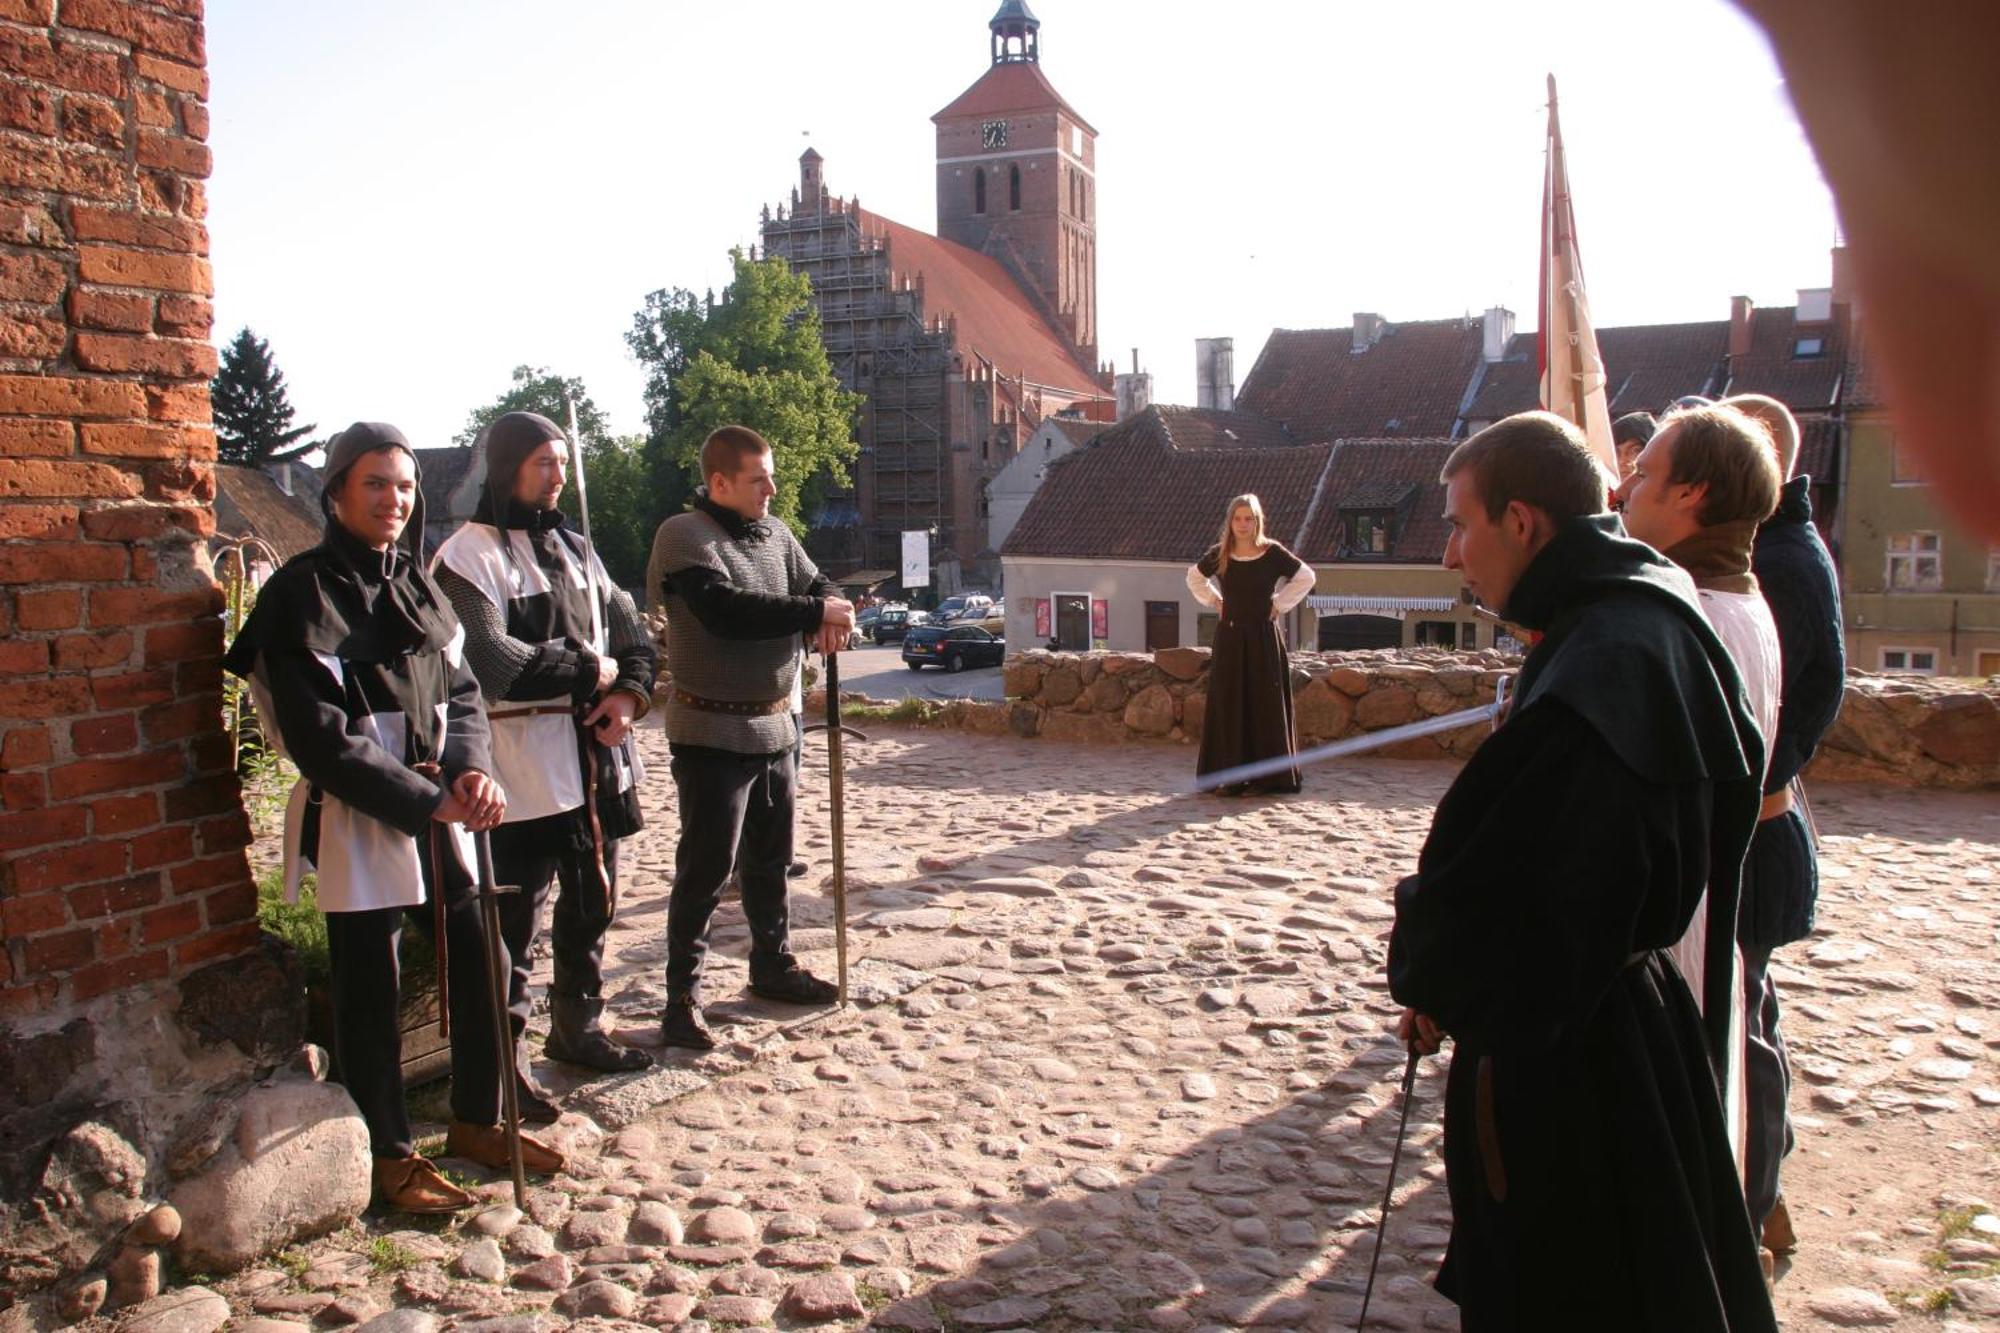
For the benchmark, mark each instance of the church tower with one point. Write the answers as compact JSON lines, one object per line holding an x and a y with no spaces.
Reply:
{"x":1017,"y":179}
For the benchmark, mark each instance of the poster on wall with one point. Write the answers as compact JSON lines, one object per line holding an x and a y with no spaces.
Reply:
{"x":916,"y":559}
{"x":1100,"y":622}
{"x":1042,"y":630}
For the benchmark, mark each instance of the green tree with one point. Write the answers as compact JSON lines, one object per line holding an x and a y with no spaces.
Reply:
{"x":539,"y":389}
{"x":753,"y":358}
{"x":253,"y":415}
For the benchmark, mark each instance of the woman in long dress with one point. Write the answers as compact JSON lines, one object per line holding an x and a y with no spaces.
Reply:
{"x":1252,"y":580}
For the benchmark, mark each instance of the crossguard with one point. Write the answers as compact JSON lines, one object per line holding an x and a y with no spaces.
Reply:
{"x":845,"y":730}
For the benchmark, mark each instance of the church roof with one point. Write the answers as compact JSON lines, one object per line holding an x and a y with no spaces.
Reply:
{"x":1013,"y":86}
{"x":1153,"y":487}
{"x":995,"y":317}
{"x":1410,"y":382}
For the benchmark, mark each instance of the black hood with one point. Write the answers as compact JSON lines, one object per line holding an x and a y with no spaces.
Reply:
{"x":504,"y":445}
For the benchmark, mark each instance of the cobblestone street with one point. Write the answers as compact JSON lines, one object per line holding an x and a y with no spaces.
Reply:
{"x":1120,"y":1059}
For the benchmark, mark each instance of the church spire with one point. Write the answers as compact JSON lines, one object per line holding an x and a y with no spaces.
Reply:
{"x":1016,"y":34}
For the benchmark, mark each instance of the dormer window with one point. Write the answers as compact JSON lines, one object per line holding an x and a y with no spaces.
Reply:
{"x":1369,"y":532}
{"x":1806,"y":348}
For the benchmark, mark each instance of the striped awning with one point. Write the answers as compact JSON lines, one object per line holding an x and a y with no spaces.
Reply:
{"x":1340,"y":604}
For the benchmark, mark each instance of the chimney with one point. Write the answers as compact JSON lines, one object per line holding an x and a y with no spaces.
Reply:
{"x":1367,"y":331}
{"x":1499,"y":332}
{"x":1134,"y":391}
{"x":283,"y":477}
{"x":1741,"y":308}
{"x":812,"y":182}
{"x":1843,"y":276}
{"x":1215,"y":373}
{"x":1815,"y":305}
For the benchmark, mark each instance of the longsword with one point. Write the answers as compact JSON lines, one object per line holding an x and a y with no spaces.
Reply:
{"x":599,"y":643}
{"x":837,"y":811}
{"x":497,"y":973}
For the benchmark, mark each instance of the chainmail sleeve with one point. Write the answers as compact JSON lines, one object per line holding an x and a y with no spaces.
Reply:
{"x":630,"y":643}
{"x":496,"y":660}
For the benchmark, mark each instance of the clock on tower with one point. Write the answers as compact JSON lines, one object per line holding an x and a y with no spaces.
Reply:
{"x":993,"y":134}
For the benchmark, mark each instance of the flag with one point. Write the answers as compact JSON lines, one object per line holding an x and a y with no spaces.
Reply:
{"x":1572,"y":369}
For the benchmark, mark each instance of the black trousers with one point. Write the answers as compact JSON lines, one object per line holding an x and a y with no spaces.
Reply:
{"x":1767,"y":1087}
{"x":736,"y":813}
{"x":533,"y":855}
{"x":367,"y":1027}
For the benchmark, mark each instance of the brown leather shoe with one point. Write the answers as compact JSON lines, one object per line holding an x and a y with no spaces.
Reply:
{"x":487,"y":1145}
{"x":415,"y":1185}
{"x":1779,"y":1238}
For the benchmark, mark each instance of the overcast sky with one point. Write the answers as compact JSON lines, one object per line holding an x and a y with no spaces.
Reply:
{"x":411,"y":197}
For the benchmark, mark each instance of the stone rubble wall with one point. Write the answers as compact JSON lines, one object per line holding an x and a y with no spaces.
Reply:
{"x":1907,"y":730}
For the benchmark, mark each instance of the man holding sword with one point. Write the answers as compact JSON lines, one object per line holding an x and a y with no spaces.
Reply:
{"x":739,"y":592}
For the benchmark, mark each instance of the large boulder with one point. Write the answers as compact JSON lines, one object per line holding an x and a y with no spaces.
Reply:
{"x":1182,"y":663}
{"x":1962,"y":729}
{"x":1386,"y":706}
{"x":296,"y":1164}
{"x":1323,"y":712}
{"x":1151,"y":712}
{"x":1061,"y":686}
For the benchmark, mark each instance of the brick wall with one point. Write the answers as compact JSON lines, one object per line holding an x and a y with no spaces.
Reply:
{"x":121,"y":826}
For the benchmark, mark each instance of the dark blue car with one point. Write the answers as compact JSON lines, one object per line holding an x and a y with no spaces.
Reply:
{"x":953,"y":647}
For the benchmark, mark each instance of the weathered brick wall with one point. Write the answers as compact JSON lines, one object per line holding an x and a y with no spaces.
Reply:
{"x":120,"y":820}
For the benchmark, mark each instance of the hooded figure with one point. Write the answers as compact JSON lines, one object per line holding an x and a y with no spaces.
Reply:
{"x":354,"y":660}
{"x":564,"y":680}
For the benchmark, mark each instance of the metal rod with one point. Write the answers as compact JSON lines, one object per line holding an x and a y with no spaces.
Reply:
{"x":837,"y":793}
{"x":497,"y":972}
{"x":1373,"y":740}
{"x":1389,"y":1189}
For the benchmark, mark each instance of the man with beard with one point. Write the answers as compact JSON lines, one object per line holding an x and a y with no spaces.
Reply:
{"x":356,"y":665}
{"x":563,"y":682}
{"x":1592,"y":1182}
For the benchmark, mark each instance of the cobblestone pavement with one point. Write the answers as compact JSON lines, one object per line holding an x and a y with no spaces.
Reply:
{"x":1120,"y":1060}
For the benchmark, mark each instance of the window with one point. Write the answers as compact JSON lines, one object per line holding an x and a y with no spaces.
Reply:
{"x":1809,"y":347}
{"x":1904,"y":468}
{"x":1914,"y":562}
{"x":1368,"y":533}
{"x":1014,"y":188}
{"x":979,"y":190}
{"x":1914,"y":661}
{"x":1163,"y":625}
{"x":1468,"y":635}
{"x":1437,"y":634}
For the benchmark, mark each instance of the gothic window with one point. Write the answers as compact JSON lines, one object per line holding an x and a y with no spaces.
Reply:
{"x":979,"y":190}
{"x":1014,"y":188}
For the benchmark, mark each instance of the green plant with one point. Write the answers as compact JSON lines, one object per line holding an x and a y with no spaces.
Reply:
{"x":389,"y":1257}
{"x":294,"y":1261}
{"x":300,"y":925}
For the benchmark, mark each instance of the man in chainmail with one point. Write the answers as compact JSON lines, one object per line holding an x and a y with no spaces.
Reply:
{"x":739,"y":593}
{"x":563,"y":683}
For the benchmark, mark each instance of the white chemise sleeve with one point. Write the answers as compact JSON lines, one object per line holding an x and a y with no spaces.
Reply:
{"x":1294,"y":589}
{"x":1203,"y":588}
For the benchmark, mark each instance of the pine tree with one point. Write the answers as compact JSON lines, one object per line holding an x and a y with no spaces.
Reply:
{"x":253,"y":417}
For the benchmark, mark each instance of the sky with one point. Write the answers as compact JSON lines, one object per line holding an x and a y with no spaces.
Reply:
{"x":411,"y":197}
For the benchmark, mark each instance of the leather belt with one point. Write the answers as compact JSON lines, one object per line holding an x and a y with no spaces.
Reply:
{"x":1777,"y":803}
{"x":733,"y":707}
{"x":531,"y":710}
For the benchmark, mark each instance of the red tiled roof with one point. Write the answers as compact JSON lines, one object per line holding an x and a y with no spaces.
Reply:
{"x":1014,"y":86}
{"x":1773,"y":366}
{"x":995,"y":317}
{"x":1862,"y":386}
{"x":1078,"y":430}
{"x":1409,"y":383}
{"x":1819,"y":450}
{"x":1396,"y":474}
{"x":1132,"y":494}
{"x":249,"y":502}
{"x":1209,"y":428}
{"x":1647,"y":366}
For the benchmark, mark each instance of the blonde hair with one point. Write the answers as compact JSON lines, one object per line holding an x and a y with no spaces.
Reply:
{"x":1244,"y":501}
{"x":1777,"y":419}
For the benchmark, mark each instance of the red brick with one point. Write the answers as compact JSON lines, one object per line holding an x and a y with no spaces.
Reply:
{"x":85,"y":68}
{"x":30,"y":164}
{"x":172,"y":922}
{"x":228,"y":833}
{"x":206,"y":796}
{"x":39,"y":828}
{"x":133,"y":690}
{"x":25,"y":747}
{"x":32,"y":914}
{"x":120,"y":974}
{"x":155,"y":109}
{"x":27,"y":54}
{"x":23,"y":999}
{"x":179,"y":402}
{"x":113,"y":733}
{"x":50,"y":439}
{"x":234,"y":902}
{"x":28,"y":223}
{"x":116,"y":266}
{"x":31,"y":277}
{"x":90,"y":308}
{"x":173,"y":357}
{"x":194,"y":204}
{"x":134,"y":440}
{"x":29,"y":107}
{"x":178,"y":482}
{"x":59,"y":952}
{"x":38,"y":522}
{"x":63,"y":562}
{"x":81,"y":864}
{"x":85,"y":173}
{"x":127,"y":226}
{"x":163,"y":847}
{"x":151,"y":606}
{"x":40,"y":478}
{"x":182,"y":718}
{"x":24,"y":657}
{"x":124,"y":814}
{"x":48,"y":608}
{"x":34,"y":13}
{"x":93,"y":652}
{"x":93,"y":901}
{"x":23,"y":791}
{"x":180,"y":77}
{"x":93,"y":121}
{"x":160,"y":148}
{"x":60,"y":696}
{"x":146,"y":523}
{"x":185,"y":316}
{"x":194,"y":118}
{"x":30,"y":337}
{"x":217,"y":945}
{"x":89,"y":777}
{"x":180,"y":643}
{"x":61,"y":396}
{"x":176,"y":38}
{"x":212,"y":753}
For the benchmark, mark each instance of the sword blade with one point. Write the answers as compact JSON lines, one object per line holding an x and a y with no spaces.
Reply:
{"x":597,"y":642}
{"x":1373,"y":740}
{"x":497,"y":973}
{"x":837,"y":797}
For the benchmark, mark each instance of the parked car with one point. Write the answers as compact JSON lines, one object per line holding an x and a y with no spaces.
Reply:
{"x":894,"y":621}
{"x":969,"y":606}
{"x":953,"y":647}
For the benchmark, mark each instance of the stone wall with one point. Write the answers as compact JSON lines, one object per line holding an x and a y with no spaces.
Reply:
{"x":1908,"y":730}
{"x":133,"y":986}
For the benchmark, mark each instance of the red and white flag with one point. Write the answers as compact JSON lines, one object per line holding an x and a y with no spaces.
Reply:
{"x":1572,"y":370}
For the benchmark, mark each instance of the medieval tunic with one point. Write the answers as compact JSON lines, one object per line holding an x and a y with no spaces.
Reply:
{"x":1249,"y":711}
{"x":1591,"y":1178}
{"x":738,"y":596}
{"x":356,"y":665}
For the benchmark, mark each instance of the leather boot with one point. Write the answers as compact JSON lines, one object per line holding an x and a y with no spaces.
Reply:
{"x":1779,"y":1237}
{"x":788,"y":983}
{"x":487,"y":1145}
{"x":533,"y":1098}
{"x":415,"y":1185}
{"x":575,"y":1037}
{"x":682,"y":1025}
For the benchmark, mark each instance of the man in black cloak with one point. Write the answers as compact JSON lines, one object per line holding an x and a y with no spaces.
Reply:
{"x":1591,"y":1178}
